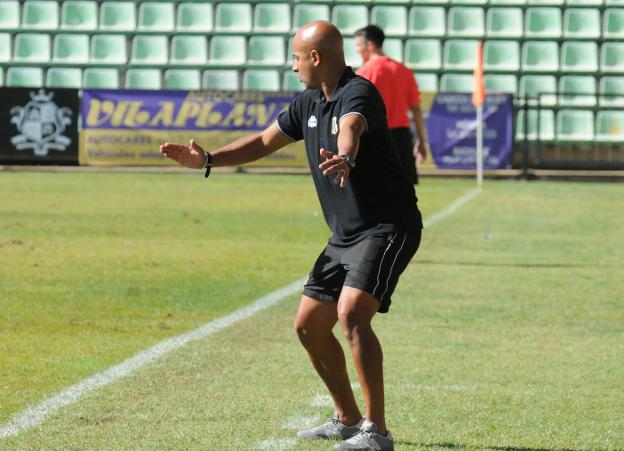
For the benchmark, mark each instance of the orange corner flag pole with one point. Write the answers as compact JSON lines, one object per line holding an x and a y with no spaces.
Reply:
{"x":478,"y":97}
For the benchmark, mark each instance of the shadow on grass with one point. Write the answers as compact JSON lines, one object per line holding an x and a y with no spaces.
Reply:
{"x":497,"y":448}
{"x":509,"y":265}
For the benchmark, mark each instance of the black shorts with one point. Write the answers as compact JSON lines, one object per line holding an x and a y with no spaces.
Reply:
{"x":373,"y":265}
{"x":404,"y":143}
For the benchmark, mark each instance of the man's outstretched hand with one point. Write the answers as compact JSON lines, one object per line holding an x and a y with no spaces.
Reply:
{"x":335,"y":164}
{"x":191,"y":156}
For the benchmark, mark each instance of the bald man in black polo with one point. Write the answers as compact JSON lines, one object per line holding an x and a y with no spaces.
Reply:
{"x":368,"y":204}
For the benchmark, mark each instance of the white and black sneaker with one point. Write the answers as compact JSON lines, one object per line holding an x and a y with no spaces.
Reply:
{"x":368,"y":438}
{"x":331,"y":430}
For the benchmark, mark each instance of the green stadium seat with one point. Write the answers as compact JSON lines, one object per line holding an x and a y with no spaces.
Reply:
{"x":150,"y":50}
{"x":390,"y":1}
{"x":40,"y":15}
{"x":31,"y":47}
{"x":504,"y":23}
{"x":393,"y":48}
{"x":27,"y":77}
{"x":427,"y":21}
{"x":228,"y":50}
{"x":63,"y":77}
{"x":460,"y":55}
{"x":79,"y":15}
{"x":233,"y":18}
{"x":546,"y":125}
{"x":5,"y":47}
{"x":290,"y":82}
{"x":261,"y":80}
{"x":187,"y":79}
{"x":391,"y":19}
{"x":194,"y":18}
{"x":100,"y":78}
{"x":352,"y":58}
{"x":465,"y":22}
{"x":71,"y":49}
{"x":456,"y":83}
{"x":575,"y":125}
{"x":507,"y":84}
{"x":612,"y":57}
{"x":611,"y":91}
{"x":143,"y":79}
{"x":289,"y":52}
{"x":156,"y":17}
{"x":546,"y":2}
{"x":614,"y":2}
{"x":581,"y":23}
{"x":272,"y":18}
{"x":586,"y":3}
{"x":109,"y":49}
{"x":501,"y":56}
{"x":423,"y":54}
{"x":1,"y":76}
{"x":118,"y":16}
{"x":610,"y":126}
{"x":539,"y":87}
{"x":469,"y":2}
{"x":542,"y":23}
{"x":577,"y":90}
{"x":305,"y":13}
{"x":349,"y":18}
{"x":427,"y":82}
{"x":613,"y":24}
{"x":9,"y":15}
{"x":266,"y":50}
{"x":508,"y":2}
{"x":540,"y":56}
{"x":579,"y":56}
{"x":223,"y":80}
{"x":189,"y":50}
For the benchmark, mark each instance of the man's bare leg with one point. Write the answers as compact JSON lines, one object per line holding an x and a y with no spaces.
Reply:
{"x":356,"y":309}
{"x":314,"y":323}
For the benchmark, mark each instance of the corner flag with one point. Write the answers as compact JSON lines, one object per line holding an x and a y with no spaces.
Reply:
{"x":478,"y":97}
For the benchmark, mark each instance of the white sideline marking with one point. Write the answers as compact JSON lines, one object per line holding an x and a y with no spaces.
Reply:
{"x":451,"y":208}
{"x":300,"y":422}
{"x":322,"y":401}
{"x":275,"y":444}
{"x":35,"y":415}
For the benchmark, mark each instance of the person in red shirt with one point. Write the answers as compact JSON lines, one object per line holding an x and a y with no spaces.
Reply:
{"x":399,"y":92}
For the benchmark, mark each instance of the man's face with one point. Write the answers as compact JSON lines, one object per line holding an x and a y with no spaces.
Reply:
{"x":362,"y":47}
{"x":304,"y":64}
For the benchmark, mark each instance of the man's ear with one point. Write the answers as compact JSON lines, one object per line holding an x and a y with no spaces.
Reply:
{"x":315,"y":56}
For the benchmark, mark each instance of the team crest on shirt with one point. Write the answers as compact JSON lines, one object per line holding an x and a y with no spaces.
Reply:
{"x":334,"y":129}
{"x":312,"y":122}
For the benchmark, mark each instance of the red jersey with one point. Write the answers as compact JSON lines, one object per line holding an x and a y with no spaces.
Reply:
{"x":397,"y":87}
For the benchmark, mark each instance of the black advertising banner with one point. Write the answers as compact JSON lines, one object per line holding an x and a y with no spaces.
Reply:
{"x":38,"y":126}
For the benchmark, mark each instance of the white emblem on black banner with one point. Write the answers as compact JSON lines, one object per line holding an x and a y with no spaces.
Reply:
{"x":41,"y":124}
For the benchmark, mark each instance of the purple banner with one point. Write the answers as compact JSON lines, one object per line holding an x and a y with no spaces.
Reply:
{"x":180,"y":110}
{"x":452,"y":128}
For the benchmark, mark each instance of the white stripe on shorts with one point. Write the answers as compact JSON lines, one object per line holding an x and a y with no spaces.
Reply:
{"x":391,"y":267}
{"x":382,"y":261}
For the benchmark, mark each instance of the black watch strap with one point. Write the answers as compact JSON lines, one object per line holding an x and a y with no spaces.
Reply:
{"x":349,"y":160}
{"x":207,"y":164}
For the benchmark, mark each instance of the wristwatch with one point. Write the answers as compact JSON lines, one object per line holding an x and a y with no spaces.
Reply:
{"x":349,"y":160}
{"x":208,"y":164}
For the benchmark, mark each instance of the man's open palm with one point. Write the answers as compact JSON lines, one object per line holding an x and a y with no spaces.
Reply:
{"x":191,"y":156}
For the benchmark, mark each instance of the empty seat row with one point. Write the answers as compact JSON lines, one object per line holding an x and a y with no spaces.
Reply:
{"x":188,"y":79}
{"x":102,"y":49}
{"x":570,"y":125}
{"x":509,"y":56}
{"x":569,"y":90}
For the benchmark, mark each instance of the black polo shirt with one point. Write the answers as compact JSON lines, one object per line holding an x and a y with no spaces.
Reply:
{"x":378,"y":198}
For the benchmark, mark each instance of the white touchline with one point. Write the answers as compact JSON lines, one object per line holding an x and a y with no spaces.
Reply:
{"x":35,"y":415}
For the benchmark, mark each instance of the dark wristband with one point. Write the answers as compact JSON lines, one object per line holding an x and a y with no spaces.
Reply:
{"x":207,"y":164}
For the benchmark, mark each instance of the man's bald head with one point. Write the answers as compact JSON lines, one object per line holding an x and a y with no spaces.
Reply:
{"x":321,"y":36}
{"x":318,"y":54}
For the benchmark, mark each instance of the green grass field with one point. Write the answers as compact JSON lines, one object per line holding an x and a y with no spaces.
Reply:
{"x":506,"y":331}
